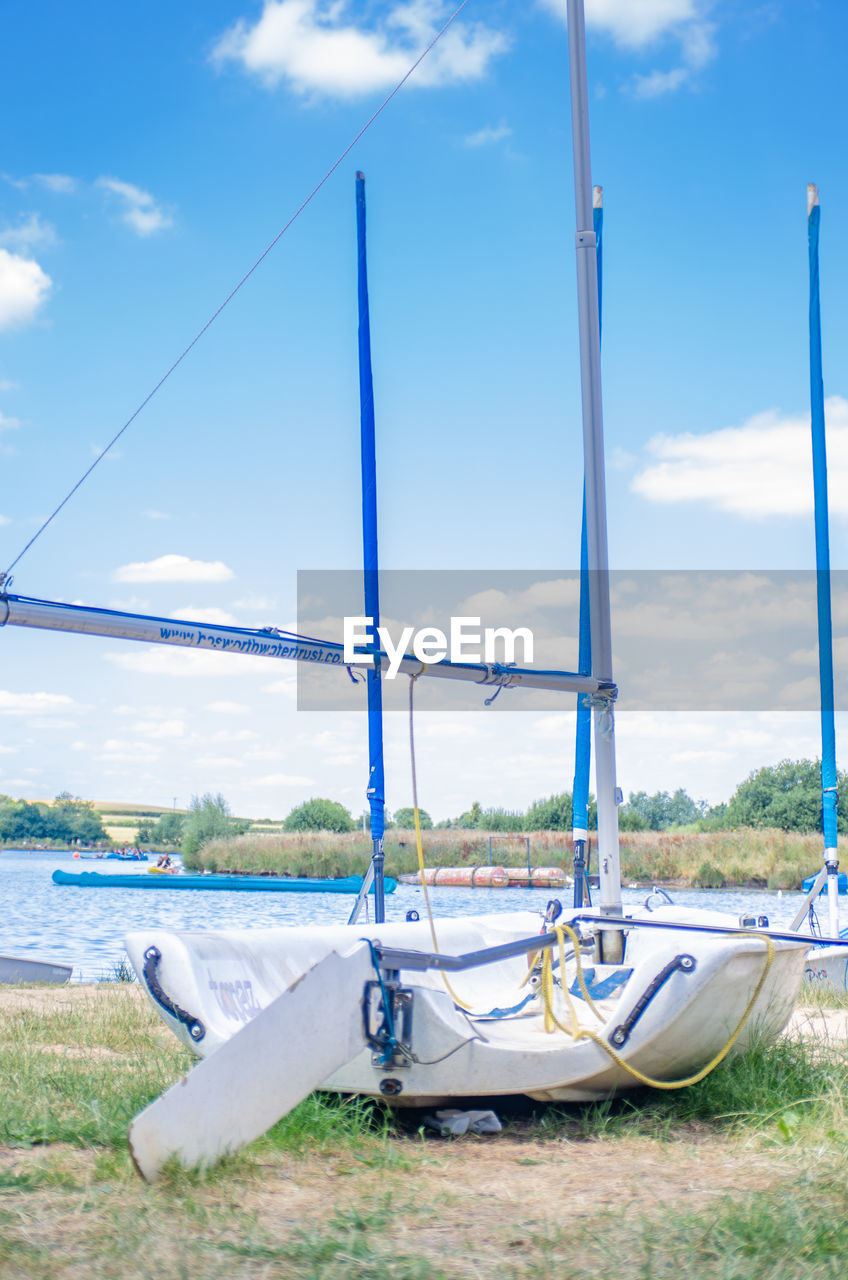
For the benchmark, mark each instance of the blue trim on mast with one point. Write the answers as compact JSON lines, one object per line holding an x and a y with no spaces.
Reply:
{"x":828,"y":728}
{"x":583,"y":736}
{"x":376,"y":776}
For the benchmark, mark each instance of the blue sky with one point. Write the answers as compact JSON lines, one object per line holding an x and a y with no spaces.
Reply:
{"x":150,"y":155}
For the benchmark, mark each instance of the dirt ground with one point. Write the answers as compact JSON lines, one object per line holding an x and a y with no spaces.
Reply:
{"x":473,"y":1207}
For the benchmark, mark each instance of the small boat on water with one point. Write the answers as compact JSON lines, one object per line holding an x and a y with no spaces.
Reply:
{"x":842,"y":882}
{"x":179,"y":880}
{"x":133,"y":855}
{"x":15,"y":970}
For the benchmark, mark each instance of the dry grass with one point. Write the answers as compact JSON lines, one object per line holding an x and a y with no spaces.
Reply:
{"x":332,"y":1196}
{"x":708,"y":859}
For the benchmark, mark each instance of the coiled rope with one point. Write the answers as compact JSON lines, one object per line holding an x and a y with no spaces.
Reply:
{"x":583,"y":1033}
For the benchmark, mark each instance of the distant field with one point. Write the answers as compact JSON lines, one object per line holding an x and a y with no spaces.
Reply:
{"x":115,"y":810}
{"x":122,"y":820}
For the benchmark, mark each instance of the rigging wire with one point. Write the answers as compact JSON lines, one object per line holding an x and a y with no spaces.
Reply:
{"x":364,"y":129}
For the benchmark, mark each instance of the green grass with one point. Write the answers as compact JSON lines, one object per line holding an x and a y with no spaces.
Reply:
{"x":343,"y":1189}
{"x":793,"y":1233}
{"x":779,"y":1091}
{"x":78,"y":1073}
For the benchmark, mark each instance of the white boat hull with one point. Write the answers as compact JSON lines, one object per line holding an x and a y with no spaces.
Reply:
{"x":222,"y":980}
{"x":827,"y":968}
{"x":15,"y":970}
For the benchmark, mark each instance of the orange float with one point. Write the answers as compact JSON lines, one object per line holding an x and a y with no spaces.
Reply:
{"x":537,"y":878}
{"x":463,"y":877}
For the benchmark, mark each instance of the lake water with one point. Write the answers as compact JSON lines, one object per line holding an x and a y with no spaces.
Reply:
{"x":85,"y":927}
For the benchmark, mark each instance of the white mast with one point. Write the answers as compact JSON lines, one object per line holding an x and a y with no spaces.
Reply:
{"x":593,"y":448}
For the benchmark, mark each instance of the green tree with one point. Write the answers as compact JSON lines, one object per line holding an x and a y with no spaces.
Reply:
{"x":552,"y":814}
{"x":319,"y":815}
{"x":167,"y":830}
{"x":66,"y":821}
{"x":660,"y":811}
{"x":73,"y":819}
{"x":208,"y":818}
{"x":501,"y":820}
{"x":406,"y":818}
{"x":786,"y":795}
{"x":472,"y":818}
{"x":631,"y":820}
{"x":21,"y":821}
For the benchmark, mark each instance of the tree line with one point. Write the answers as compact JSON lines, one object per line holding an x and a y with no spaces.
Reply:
{"x":68,"y":820}
{"x":786,"y":796}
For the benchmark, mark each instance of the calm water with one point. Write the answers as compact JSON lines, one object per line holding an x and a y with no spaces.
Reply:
{"x":86,"y":927}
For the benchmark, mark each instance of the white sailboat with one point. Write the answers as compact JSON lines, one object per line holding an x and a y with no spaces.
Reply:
{"x":486,"y":1005}
{"x":422,"y":1014}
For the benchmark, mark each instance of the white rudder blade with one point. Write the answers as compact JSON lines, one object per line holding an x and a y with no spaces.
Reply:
{"x":242,"y":1089}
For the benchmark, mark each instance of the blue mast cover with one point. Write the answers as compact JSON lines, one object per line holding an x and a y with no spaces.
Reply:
{"x":828,"y":729}
{"x":583,"y":740}
{"x":376,"y":779}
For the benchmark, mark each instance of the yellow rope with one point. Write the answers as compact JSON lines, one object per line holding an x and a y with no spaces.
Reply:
{"x":583,"y":1033}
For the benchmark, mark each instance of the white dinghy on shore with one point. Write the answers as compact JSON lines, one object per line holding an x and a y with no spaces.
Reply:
{"x":276,"y":1013}
{"x":476,"y":1007}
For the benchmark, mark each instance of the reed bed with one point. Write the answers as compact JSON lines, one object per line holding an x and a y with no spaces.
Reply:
{"x":749,"y":858}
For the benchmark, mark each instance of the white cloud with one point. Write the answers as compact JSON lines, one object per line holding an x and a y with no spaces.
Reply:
{"x":213,"y":616}
{"x":139,"y":209}
{"x":638,"y":25}
{"x":8,"y":424}
{"x":234,"y":735}
{"x":256,"y":604}
{"x":489,"y":136}
{"x":219,"y":762}
{"x":25,"y":704}
{"x":29,"y":232}
{"x":23,"y":289}
{"x":283,"y":780}
{"x":698,"y":48}
{"x":134,"y":604}
{"x":134,"y":753}
{"x":173,"y":568}
{"x":287,"y":685}
{"x":227,"y":708}
{"x":633,"y":23}
{"x":657,"y":83}
{"x":60,"y":183}
{"x":168,"y":660}
{"x":315,"y":47}
{"x":5,"y":520}
{"x":153,"y":514}
{"x":762,"y":468}
{"x":160,"y":728}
